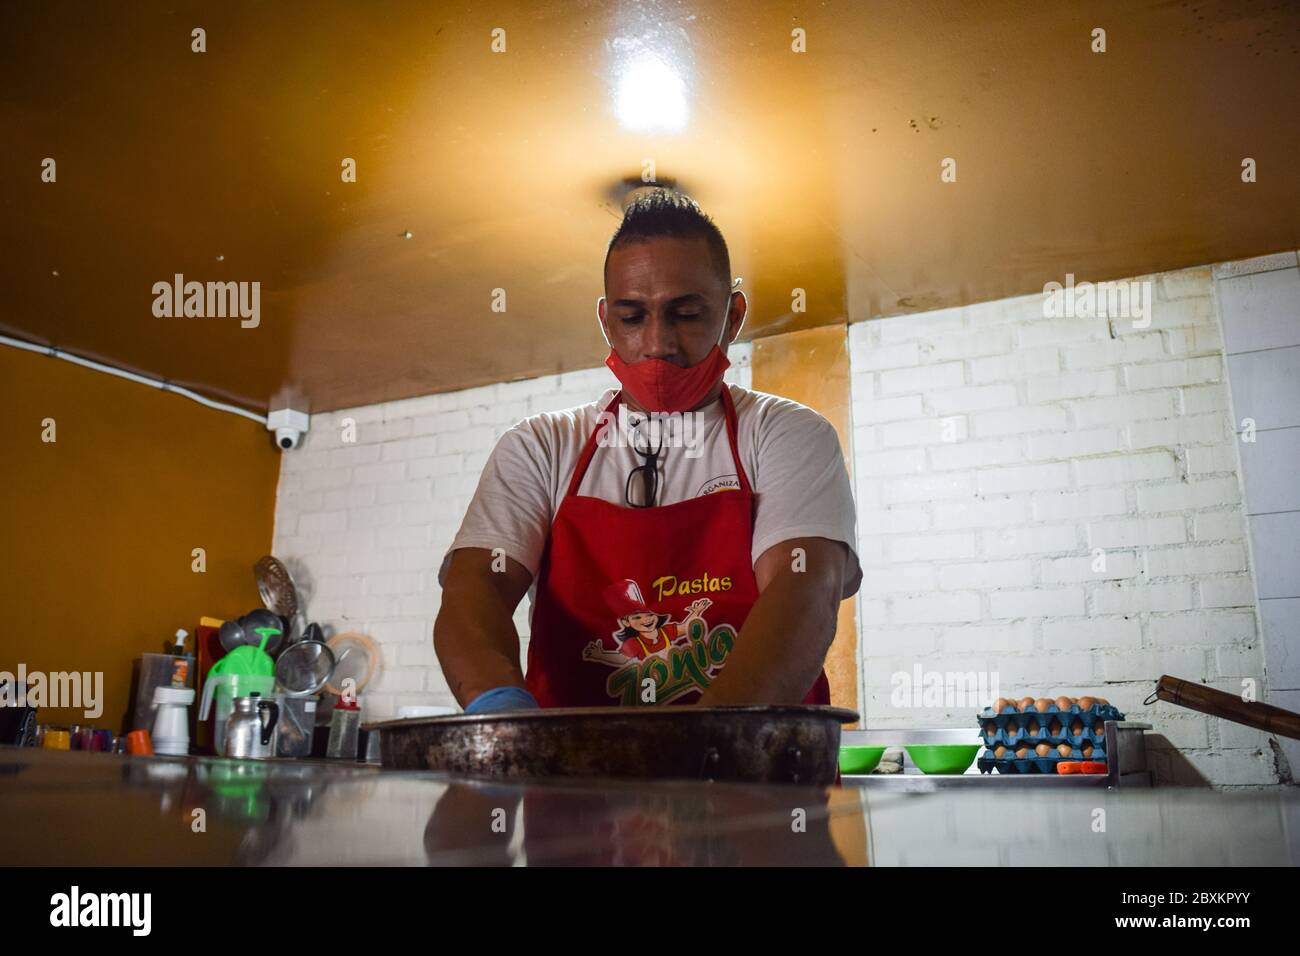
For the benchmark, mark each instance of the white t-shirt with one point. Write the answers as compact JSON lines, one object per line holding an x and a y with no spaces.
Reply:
{"x":790,"y":454}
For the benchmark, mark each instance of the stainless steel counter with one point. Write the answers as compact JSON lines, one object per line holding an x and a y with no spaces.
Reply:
{"x":61,"y":808}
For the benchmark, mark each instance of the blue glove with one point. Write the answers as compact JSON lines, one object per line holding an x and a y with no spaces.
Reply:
{"x":500,"y":699}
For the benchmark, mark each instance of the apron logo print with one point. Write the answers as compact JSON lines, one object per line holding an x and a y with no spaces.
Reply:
{"x":676,"y":657}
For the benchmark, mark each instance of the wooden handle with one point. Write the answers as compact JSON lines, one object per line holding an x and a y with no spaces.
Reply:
{"x":1216,"y":703}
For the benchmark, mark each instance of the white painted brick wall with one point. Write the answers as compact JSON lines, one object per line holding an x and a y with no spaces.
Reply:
{"x":364,"y":525}
{"x":1062,"y":436}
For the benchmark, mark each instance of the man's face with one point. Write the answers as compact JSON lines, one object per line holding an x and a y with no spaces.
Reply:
{"x":664,"y":300}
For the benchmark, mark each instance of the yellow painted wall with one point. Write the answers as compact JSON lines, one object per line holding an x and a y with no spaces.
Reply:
{"x":97,"y":528}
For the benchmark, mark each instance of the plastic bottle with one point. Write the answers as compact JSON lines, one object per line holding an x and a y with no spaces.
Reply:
{"x":345,"y":725}
{"x":184,"y":664}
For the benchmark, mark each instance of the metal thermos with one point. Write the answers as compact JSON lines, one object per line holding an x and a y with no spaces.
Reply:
{"x":251,"y":727}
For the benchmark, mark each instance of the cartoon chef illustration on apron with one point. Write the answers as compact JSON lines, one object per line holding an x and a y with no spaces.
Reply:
{"x":641,"y":630}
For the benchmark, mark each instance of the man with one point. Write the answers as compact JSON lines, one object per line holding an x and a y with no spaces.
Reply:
{"x":757,"y":519}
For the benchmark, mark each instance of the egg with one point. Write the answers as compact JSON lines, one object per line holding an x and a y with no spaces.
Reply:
{"x":1043,"y":750}
{"x":1022,"y":752}
{"x":1085,"y":703}
{"x":1026,"y":703}
{"x":1000,"y":705}
{"x":1098,"y":728}
{"x":1054,"y":728}
{"x":999,"y":751}
{"x":1034,"y":728}
{"x":1087,"y":748}
{"x":990,"y":728}
{"x":1042,"y":704}
{"x":1064,"y":750}
{"x":1062,"y":703}
{"x":1076,"y":728}
{"x":1013,"y":727}
{"x":1103,"y":701}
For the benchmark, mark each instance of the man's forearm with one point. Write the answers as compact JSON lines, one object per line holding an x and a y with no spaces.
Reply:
{"x":477,"y":646}
{"x":781,"y":648}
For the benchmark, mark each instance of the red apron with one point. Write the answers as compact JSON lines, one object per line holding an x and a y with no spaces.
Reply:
{"x":695,"y":551}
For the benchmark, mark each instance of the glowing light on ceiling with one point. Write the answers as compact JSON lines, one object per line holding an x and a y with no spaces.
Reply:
{"x":649,"y":95}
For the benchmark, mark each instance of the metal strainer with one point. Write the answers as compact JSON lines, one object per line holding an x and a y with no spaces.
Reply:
{"x":304,"y":668}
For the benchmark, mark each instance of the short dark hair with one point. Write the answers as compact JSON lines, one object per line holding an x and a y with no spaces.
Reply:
{"x":666,"y":212}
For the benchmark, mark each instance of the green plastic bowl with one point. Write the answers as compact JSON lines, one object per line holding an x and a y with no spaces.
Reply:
{"x":860,"y":759}
{"x":943,"y":758}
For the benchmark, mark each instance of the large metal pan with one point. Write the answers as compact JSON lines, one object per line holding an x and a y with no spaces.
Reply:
{"x":761,"y":744}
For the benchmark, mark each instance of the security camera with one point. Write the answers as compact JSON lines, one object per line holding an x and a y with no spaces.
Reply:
{"x":289,"y":426}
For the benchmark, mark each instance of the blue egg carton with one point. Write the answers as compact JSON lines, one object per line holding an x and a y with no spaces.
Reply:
{"x":1091,"y":718}
{"x":987,"y":763}
{"x":1100,"y":711}
{"x":1022,"y":738}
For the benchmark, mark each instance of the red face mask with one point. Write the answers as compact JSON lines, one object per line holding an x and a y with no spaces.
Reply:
{"x":660,"y":386}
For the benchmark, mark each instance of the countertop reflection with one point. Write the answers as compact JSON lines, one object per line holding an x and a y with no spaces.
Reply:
{"x":69,"y":808}
{"x":85,"y":809}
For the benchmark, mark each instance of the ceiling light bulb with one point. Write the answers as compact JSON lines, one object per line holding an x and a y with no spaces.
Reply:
{"x":650,"y":96}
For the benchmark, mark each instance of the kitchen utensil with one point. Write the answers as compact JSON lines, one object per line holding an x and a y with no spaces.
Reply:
{"x":232,"y":635}
{"x":297,"y":723}
{"x":260,"y":622}
{"x":244,"y":631}
{"x":370,"y":747}
{"x":942,"y":758}
{"x":223,"y":690}
{"x":1216,"y":703}
{"x":304,"y":668}
{"x":860,"y":759}
{"x":151,"y":672}
{"x":279,"y":593}
{"x":247,"y":660}
{"x":345,"y":724}
{"x":244,"y":671}
{"x":765,"y":743}
{"x":357,"y":657}
{"x":250,"y":728}
{"x":171,"y":726}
